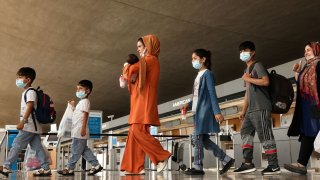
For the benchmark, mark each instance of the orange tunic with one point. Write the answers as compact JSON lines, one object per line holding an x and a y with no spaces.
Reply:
{"x":144,"y":91}
{"x":144,"y":101}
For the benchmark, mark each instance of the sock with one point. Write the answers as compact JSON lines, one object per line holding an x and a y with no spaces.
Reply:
{"x":248,"y":161}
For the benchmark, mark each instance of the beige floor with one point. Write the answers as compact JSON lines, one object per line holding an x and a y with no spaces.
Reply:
{"x":168,"y":175}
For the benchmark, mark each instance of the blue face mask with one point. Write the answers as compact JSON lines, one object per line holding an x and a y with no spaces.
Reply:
{"x":20,"y":83}
{"x":196,"y":64}
{"x":245,"y":56}
{"x":81,"y":94}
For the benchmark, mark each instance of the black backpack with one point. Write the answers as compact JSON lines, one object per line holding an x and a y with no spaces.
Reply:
{"x":280,"y":91}
{"x":45,"y":113}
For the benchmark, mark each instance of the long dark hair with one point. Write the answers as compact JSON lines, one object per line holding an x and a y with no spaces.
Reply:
{"x":204,"y":53}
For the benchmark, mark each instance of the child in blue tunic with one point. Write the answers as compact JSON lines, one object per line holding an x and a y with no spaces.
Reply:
{"x":206,"y":112}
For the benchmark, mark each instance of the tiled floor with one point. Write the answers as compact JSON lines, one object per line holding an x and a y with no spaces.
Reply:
{"x":168,"y":175}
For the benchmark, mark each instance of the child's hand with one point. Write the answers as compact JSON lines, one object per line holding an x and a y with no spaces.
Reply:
{"x":219,"y":118}
{"x":20,"y":125}
{"x":184,"y":107}
{"x":72,"y":103}
{"x":241,"y":116}
{"x":83,"y":132}
{"x":246,"y":76}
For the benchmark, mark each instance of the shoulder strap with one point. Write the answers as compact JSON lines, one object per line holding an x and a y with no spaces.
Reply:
{"x":25,"y":94}
{"x":260,"y":87}
{"x":33,"y":112}
{"x":252,"y":66}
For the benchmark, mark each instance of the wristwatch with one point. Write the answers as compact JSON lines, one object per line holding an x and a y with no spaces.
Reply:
{"x":25,"y":121}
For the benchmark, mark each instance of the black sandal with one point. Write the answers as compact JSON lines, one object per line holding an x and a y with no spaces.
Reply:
{"x":66,"y":172}
{"x":94,"y":171}
{"x":5,"y":173}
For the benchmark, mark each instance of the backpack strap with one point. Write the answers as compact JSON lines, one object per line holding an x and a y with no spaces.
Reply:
{"x":33,"y":110}
{"x":256,"y":86}
{"x":250,"y":70}
{"x":252,"y":66}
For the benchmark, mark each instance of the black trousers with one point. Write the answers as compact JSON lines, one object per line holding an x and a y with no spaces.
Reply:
{"x":306,"y":148}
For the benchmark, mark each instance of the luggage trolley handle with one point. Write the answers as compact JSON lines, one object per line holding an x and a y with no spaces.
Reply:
{"x":190,"y":151}
{"x":217,"y":142}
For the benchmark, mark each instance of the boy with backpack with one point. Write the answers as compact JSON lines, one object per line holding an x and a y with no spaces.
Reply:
{"x":256,"y":113}
{"x":29,"y":128}
{"x":80,"y":132}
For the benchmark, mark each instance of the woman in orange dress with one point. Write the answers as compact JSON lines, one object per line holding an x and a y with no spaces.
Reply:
{"x":143,"y":109}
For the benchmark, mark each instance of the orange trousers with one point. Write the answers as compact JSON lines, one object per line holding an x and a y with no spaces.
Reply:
{"x":141,"y":143}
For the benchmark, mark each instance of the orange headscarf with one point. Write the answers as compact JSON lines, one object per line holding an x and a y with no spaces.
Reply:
{"x":152,"y":44}
{"x":308,"y":78}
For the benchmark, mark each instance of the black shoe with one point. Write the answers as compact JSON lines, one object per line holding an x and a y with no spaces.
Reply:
{"x":226,"y":167}
{"x":271,"y":170}
{"x":194,"y":171}
{"x":66,"y":172}
{"x":245,"y":168}
{"x":296,"y":169}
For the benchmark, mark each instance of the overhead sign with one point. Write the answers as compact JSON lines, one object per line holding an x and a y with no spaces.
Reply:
{"x":182,"y":102}
{"x":95,"y":124}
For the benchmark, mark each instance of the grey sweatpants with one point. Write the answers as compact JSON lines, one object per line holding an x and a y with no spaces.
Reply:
{"x":260,"y":122}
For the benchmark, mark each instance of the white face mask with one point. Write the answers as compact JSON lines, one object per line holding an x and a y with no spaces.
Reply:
{"x":196,"y":64}
{"x":81,"y":94}
{"x":20,"y":83}
{"x":245,"y":56}
{"x":143,"y":53}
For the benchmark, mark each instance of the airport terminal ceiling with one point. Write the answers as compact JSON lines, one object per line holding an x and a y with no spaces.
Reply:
{"x":66,"y":41}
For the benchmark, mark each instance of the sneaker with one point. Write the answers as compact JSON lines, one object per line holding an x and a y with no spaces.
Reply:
{"x":5,"y":171}
{"x":245,"y":168}
{"x":271,"y":170}
{"x":162,"y":165}
{"x":296,"y":168}
{"x":132,"y":174}
{"x":66,"y":172}
{"x":194,"y":171}
{"x":42,"y":172}
{"x":226,"y":167}
{"x":95,"y":170}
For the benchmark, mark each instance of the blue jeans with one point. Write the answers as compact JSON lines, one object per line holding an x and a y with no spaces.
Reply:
{"x":20,"y":142}
{"x":203,"y":141}
{"x":79,"y":148}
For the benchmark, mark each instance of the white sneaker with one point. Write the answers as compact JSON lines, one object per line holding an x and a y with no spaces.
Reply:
{"x":139,"y":173}
{"x":162,"y":165}
{"x":42,"y":172}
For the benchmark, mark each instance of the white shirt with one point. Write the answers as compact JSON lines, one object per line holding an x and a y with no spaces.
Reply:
{"x":77,"y":119}
{"x":196,"y":90}
{"x":29,"y":127}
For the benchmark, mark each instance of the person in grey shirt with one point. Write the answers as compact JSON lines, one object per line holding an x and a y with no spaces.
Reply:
{"x":256,"y":113}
